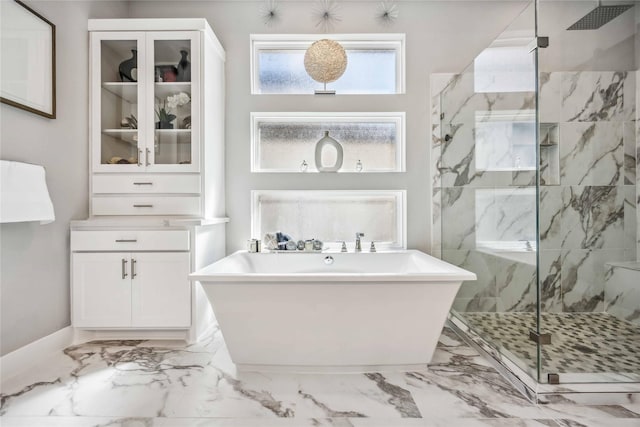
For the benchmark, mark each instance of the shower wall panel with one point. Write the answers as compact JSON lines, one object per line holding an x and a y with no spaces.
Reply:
{"x":589,"y":218}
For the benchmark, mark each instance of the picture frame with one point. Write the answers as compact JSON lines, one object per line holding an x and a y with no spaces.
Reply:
{"x":28,"y":49}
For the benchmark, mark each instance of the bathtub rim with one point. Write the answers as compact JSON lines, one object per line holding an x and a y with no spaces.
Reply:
{"x":456,"y":274}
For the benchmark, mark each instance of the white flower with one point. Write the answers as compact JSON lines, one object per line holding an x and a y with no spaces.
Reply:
{"x":178,"y":100}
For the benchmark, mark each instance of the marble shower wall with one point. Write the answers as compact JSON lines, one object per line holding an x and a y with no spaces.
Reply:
{"x":589,"y":201}
{"x":483,"y":195}
{"x":589,"y":218}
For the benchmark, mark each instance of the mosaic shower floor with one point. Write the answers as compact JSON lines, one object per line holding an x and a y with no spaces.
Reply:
{"x":580,"y":342}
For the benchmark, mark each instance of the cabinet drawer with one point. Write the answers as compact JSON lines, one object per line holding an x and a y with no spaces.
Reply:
{"x":144,"y":183}
{"x":130,"y":240}
{"x":146,"y":205}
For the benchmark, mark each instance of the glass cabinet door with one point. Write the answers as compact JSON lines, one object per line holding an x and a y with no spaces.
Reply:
{"x":117,"y":76}
{"x":173,"y":57}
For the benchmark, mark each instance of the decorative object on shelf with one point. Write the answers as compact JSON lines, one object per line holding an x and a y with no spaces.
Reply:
{"x":291,"y":245}
{"x":121,"y":161}
{"x":304,"y":166}
{"x":326,"y":14}
{"x":186,"y":122}
{"x":172,"y":102}
{"x":359,"y":166}
{"x":184,"y":68}
{"x":128,"y":67}
{"x":270,"y":12}
{"x":325,"y":61}
{"x":387,"y":12}
{"x":28,"y":43}
{"x":166,"y":73}
{"x":253,"y":246}
{"x":320,"y":145}
{"x":270,"y":241}
{"x":129,"y":122}
{"x":300,"y":245}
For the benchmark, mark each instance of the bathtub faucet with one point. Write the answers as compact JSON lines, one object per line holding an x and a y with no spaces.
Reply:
{"x":358,"y":245}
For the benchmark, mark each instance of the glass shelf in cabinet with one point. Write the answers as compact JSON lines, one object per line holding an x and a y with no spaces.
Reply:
{"x":128,"y":91}
{"x":126,"y":135}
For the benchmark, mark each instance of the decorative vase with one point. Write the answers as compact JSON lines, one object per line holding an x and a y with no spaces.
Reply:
{"x":164,"y":125}
{"x":184,"y":68}
{"x":320,"y":145}
{"x":127,"y":66}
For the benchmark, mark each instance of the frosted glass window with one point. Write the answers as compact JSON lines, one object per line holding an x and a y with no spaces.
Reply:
{"x":331,"y":216}
{"x":504,"y":69}
{"x":285,"y":142}
{"x":505,"y":141}
{"x":375,"y":65}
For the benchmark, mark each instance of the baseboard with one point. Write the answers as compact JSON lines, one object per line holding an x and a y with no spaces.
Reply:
{"x":25,"y":357}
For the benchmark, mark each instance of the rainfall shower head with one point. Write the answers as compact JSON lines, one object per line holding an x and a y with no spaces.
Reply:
{"x":599,"y":16}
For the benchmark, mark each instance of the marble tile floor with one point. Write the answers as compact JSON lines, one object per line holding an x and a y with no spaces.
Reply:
{"x":160,"y":383}
{"x":580,"y":342}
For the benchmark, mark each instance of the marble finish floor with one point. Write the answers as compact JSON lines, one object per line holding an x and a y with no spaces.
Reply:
{"x":580,"y":342}
{"x":160,"y":383}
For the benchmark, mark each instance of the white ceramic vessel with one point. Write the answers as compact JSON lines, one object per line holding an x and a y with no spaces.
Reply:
{"x":350,"y":312}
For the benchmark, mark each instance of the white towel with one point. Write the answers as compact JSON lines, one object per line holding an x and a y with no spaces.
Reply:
{"x":23,"y":193}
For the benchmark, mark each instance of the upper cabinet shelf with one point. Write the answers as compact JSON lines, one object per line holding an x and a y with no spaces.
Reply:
{"x":127,"y":91}
{"x":165,"y":89}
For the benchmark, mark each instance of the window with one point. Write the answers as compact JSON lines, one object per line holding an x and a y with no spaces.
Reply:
{"x":285,"y":142}
{"x":375,"y":64}
{"x":332,"y":216}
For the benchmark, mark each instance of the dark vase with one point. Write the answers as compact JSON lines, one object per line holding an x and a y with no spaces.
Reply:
{"x":126,"y":67}
{"x":164,"y":125}
{"x":184,"y":68}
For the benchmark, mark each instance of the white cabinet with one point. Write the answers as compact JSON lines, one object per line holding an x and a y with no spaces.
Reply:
{"x":157,"y":203}
{"x":137,"y":290}
{"x":153,"y":82}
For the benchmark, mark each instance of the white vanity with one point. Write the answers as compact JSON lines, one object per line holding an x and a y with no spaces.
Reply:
{"x":157,"y":208}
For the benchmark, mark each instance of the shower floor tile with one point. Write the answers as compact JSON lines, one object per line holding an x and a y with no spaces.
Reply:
{"x":580,"y":342}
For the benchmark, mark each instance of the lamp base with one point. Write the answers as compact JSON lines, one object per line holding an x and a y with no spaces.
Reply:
{"x":325,"y":92}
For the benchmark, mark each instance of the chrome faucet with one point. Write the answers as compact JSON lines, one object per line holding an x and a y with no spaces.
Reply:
{"x":358,"y":245}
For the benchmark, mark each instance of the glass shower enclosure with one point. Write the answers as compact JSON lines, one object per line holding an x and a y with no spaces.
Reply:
{"x":534,"y":189}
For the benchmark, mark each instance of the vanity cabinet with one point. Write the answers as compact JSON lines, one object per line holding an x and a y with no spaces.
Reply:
{"x":122,"y":289}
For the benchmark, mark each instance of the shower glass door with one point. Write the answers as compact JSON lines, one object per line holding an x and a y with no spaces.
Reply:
{"x":486,"y":158}
{"x":589,"y":274}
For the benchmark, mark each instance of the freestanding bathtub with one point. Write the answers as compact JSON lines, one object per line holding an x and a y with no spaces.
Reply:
{"x":319,"y":312}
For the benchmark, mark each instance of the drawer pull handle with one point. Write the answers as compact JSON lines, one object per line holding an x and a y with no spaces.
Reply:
{"x":124,"y":269}
{"x":133,"y":268}
{"x":139,"y":157}
{"x":143,"y":183}
{"x":142,"y":206}
{"x":126,"y":240}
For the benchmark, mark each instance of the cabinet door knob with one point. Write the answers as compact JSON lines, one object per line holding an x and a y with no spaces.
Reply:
{"x":133,"y":268}
{"x":124,"y":269}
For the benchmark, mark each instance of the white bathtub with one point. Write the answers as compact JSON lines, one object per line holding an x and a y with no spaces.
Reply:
{"x":363,"y":312}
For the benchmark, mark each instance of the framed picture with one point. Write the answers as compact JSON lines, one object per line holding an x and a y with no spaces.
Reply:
{"x":28,"y":49}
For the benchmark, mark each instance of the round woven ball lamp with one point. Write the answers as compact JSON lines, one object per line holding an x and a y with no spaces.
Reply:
{"x":325,"y":61}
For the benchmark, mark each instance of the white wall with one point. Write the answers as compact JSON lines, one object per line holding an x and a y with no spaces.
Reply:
{"x":34,"y":278}
{"x":441,"y":36}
